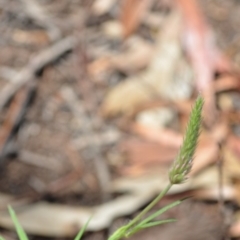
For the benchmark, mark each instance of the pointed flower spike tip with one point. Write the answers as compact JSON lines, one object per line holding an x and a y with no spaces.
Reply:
{"x":183,"y":163}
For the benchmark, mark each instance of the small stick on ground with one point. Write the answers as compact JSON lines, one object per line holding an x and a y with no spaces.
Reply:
{"x":35,"y":65}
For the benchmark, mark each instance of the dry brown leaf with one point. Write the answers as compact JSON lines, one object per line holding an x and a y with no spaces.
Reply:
{"x":228,"y":192}
{"x":225,"y":102}
{"x":210,"y":113}
{"x":136,"y":57}
{"x":100,"y":69}
{"x":168,"y":75}
{"x":138,"y":170}
{"x":206,"y":154}
{"x":144,"y":156}
{"x":125,"y":97}
{"x":132,"y":13}
{"x":226,"y":83}
{"x":200,"y":44}
{"x":220,"y":130}
{"x":231,"y":163}
{"x":147,"y":153}
{"x":36,"y":37}
{"x":166,"y":137}
{"x":156,"y":117}
{"x":233,"y":143}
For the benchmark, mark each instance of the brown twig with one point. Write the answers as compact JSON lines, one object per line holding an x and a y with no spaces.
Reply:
{"x":35,"y":65}
{"x":13,"y":118}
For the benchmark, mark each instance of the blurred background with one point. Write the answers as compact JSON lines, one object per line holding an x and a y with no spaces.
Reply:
{"x":94,"y":100}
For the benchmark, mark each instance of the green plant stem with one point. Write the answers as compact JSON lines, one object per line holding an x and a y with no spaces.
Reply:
{"x":149,"y":206}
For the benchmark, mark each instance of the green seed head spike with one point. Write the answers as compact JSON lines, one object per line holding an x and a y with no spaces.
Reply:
{"x":183,"y":163}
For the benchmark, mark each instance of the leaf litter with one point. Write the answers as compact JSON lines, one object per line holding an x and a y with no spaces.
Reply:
{"x":95,"y":96}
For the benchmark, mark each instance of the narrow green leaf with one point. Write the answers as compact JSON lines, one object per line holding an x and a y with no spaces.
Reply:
{"x":146,"y":221}
{"x":81,"y":232}
{"x":152,"y":224}
{"x":1,"y":238}
{"x":119,"y":233}
{"x":147,"y":225}
{"x":20,"y":232}
{"x":159,"y":212}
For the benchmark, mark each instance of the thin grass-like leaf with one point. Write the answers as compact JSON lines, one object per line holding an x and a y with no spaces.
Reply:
{"x":158,"y":213}
{"x":119,"y":233}
{"x":152,"y":224}
{"x":20,"y":232}
{"x":81,"y":232}
{"x":147,"y":225}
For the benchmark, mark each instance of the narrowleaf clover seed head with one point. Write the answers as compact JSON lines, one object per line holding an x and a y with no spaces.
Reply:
{"x":183,"y":163}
